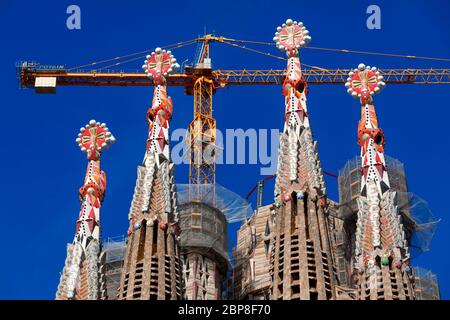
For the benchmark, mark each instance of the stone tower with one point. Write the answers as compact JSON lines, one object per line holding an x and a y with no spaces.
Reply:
{"x":152,"y":267}
{"x":301,"y":263}
{"x":381,"y":251}
{"x":82,"y":277}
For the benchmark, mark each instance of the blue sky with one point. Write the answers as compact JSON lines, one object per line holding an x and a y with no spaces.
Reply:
{"x":42,"y":167}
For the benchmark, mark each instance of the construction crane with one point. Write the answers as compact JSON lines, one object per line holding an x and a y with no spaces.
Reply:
{"x":202,"y":129}
{"x":202,"y":81}
{"x":29,"y":74}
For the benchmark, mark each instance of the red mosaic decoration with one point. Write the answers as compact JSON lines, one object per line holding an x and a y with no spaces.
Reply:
{"x":94,"y":138}
{"x":159,"y":63}
{"x":292,"y":35}
{"x":364,"y":82}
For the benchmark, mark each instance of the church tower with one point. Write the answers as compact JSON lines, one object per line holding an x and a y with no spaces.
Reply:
{"x":152,"y":267}
{"x":301,"y":264}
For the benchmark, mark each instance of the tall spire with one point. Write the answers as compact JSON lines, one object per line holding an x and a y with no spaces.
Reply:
{"x":301,"y":267}
{"x":81,"y":279}
{"x":290,"y":37}
{"x":152,"y":267}
{"x":157,"y":66}
{"x":381,"y":251}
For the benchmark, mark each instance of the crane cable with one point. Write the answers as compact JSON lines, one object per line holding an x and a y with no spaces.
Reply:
{"x":143,"y":56}
{"x":168,"y":47}
{"x":268,"y":54}
{"x":379,"y":54}
{"x":253,"y":50}
{"x":229,"y":41}
{"x":348,"y":51}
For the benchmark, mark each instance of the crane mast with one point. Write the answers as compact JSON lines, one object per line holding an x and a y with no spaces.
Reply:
{"x":202,"y":129}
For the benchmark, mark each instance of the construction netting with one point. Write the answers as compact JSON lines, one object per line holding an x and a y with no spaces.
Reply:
{"x":114,"y":250}
{"x":206,"y":211}
{"x":424,"y":223}
{"x":349,"y":181}
{"x":233,"y":206}
{"x":419,"y":222}
{"x":426,"y":284}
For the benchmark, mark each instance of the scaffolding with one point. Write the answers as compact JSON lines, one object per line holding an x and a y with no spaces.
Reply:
{"x":426,"y":284}
{"x":114,"y":251}
{"x":349,"y":181}
{"x":234,"y":207}
{"x":420,"y":224}
{"x":204,"y":222}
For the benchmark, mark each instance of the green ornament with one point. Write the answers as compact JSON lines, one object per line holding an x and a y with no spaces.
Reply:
{"x":385,"y":261}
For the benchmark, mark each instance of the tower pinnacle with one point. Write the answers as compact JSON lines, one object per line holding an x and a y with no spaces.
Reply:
{"x":301,"y":266}
{"x":152,"y":268}
{"x":81,"y":278}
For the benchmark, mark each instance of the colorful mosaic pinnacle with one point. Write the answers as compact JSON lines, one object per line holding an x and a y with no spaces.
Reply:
{"x":94,"y":138}
{"x":159,"y":64}
{"x":364,"y":82}
{"x":292,"y":35}
{"x":81,"y":278}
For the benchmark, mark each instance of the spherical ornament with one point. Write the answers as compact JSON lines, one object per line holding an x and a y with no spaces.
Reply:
{"x":162,"y":225}
{"x":385,"y":261}
{"x":300,"y":195}
{"x":278,"y":205}
{"x":137,"y":226}
{"x":162,"y":113}
{"x":365,"y":137}
{"x":287,"y":197}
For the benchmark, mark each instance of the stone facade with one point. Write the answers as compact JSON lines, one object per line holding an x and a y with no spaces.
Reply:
{"x":251,"y":277}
